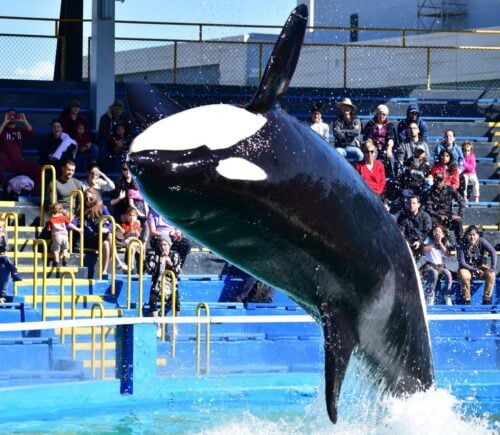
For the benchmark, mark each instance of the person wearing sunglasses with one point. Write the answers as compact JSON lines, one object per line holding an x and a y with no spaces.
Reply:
{"x":371,"y":169}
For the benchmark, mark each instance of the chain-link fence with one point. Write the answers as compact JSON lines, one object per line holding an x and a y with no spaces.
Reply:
{"x":394,"y":58}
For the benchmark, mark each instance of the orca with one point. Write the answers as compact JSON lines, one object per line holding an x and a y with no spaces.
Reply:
{"x":269,"y":195}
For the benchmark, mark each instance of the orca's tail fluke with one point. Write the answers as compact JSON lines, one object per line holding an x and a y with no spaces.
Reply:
{"x":149,"y":104}
{"x":340,"y":340}
{"x":282,"y":63}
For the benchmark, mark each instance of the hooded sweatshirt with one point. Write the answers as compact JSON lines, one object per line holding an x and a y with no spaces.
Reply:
{"x":403,"y":125}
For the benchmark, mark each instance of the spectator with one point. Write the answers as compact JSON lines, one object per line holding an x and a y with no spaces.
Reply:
{"x":415,"y":225}
{"x":449,"y":144}
{"x":7,"y":271}
{"x":14,"y":130}
{"x":66,"y":183}
{"x":438,"y":203}
{"x":371,"y":169}
{"x":412,"y":116}
{"x":126,"y":231}
{"x":165,"y":259}
{"x":119,"y":198}
{"x":446,"y":166}
{"x":318,"y":125}
{"x":416,"y":170}
{"x":136,"y":201}
{"x":57,"y":146}
{"x":86,"y":151}
{"x":159,"y":227}
{"x":58,"y":224}
{"x":436,"y":250}
{"x":92,"y":213}
{"x":71,"y":118}
{"x":472,"y":264}
{"x":4,"y":237}
{"x":118,"y":145}
{"x":99,"y":181}
{"x":347,"y":131}
{"x":115,"y":115}
{"x":406,"y":149}
{"x":469,"y":173}
{"x":383,"y":134}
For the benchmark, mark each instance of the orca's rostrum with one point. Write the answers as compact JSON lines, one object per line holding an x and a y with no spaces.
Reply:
{"x":271,"y":196}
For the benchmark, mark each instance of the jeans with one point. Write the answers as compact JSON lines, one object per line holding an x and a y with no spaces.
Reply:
{"x":351,"y":153}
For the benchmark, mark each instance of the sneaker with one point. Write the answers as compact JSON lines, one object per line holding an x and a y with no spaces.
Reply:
{"x":64,"y":261}
{"x":447,"y":300}
{"x":486,"y":301}
{"x":16,"y":277}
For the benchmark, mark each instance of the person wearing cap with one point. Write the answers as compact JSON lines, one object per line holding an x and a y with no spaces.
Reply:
{"x":412,"y":115}
{"x":406,"y":149}
{"x":439,"y":201}
{"x":347,"y":131}
{"x":114,"y":115}
{"x":164,"y":259}
{"x":383,"y":134}
{"x":14,"y":131}
{"x":318,"y":125}
{"x":413,"y":178}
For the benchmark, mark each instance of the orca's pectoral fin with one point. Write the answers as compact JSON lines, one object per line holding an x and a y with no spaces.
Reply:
{"x":340,"y":340}
{"x":282,"y":63}
{"x":149,"y":104}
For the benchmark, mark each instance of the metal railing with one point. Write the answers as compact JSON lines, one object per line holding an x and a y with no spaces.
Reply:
{"x":53,"y":195}
{"x":420,"y":57}
{"x":140,"y":269}
{"x":173,"y":303}
{"x":202,"y":306}
{"x":71,"y":275}
{"x":95,"y":306}
{"x":72,"y":206}
{"x":43,"y":244}
{"x":15,"y":218}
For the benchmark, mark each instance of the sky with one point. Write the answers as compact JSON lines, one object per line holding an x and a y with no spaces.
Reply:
{"x":38,"y":63}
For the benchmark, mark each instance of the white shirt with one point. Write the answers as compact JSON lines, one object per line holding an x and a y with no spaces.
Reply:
{"x":322,"y":129}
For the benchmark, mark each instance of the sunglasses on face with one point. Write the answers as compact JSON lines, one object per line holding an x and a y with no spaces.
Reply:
{"x":370,"y":152}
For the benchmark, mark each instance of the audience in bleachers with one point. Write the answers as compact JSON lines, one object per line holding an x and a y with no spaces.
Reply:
{"x":57,"y":146}
{"x":472,"y":264}
{"x":436,"y":249}
{"x":66,"y":183}
{"x":412,"y":116}
{"x":71,"y":118}
{"x":415,"y":224}
{"x":413,"y":179}
{"x":86,"y":151}
{"x":438,"y":202}
{"x":115,"y":115}
{"x":469,"y":173}
{"x":408,"y":147}
{"x":449,"y":144}
{"x":445,"y":165}
{"x":347,"y":131}
{"x":7,"y":271}
{"x":14,"y":131}
{"x":119,"y":198}
{"x":383,"y":134}
{"x":128,"y":230}
{"x":98,"y":180}
{"x":371,"y":169}
{"x":58,"y":224}
{"x":164,"y":259}
{"x":317,"y":123}
{"x":136,"y":200}
{"x":118,"y":145}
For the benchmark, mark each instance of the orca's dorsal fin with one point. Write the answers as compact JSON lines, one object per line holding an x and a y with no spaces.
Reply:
{"x":282,"y":63}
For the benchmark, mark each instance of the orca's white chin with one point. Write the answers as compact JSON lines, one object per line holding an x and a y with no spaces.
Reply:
{"x":216,"y":126}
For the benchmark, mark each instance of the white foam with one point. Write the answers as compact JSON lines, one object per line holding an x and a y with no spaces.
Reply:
{"x":217,"y":126}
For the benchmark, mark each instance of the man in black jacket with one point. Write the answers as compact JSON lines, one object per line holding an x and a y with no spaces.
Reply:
{"x":415,"y":224}
{"x":438,"y":203}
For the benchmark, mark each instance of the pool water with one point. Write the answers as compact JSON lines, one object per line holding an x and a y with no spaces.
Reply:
{"x":288,"y":403}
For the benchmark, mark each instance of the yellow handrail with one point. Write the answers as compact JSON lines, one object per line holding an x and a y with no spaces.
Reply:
{"x":78,"y":193}
{"x":112,"y":252}
{"x":14,"y":216}
{"x":42,"y":242}
{"x":103,"y":349}
{"x":53,"y":196}
{"x":203,"y":305}
{"x":72,"y":301}
{"x":140,"y":268}
{"x":173,"y":301}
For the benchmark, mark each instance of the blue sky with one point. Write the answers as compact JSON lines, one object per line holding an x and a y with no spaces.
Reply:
{"x":38,"y":62}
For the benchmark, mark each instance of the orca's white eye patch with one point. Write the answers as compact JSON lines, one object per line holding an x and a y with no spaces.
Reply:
{"x":236,"y":168}
{"x":217,"y":126}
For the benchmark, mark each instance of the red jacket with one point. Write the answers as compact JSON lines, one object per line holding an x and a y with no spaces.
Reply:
{"x":374,"y":178}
